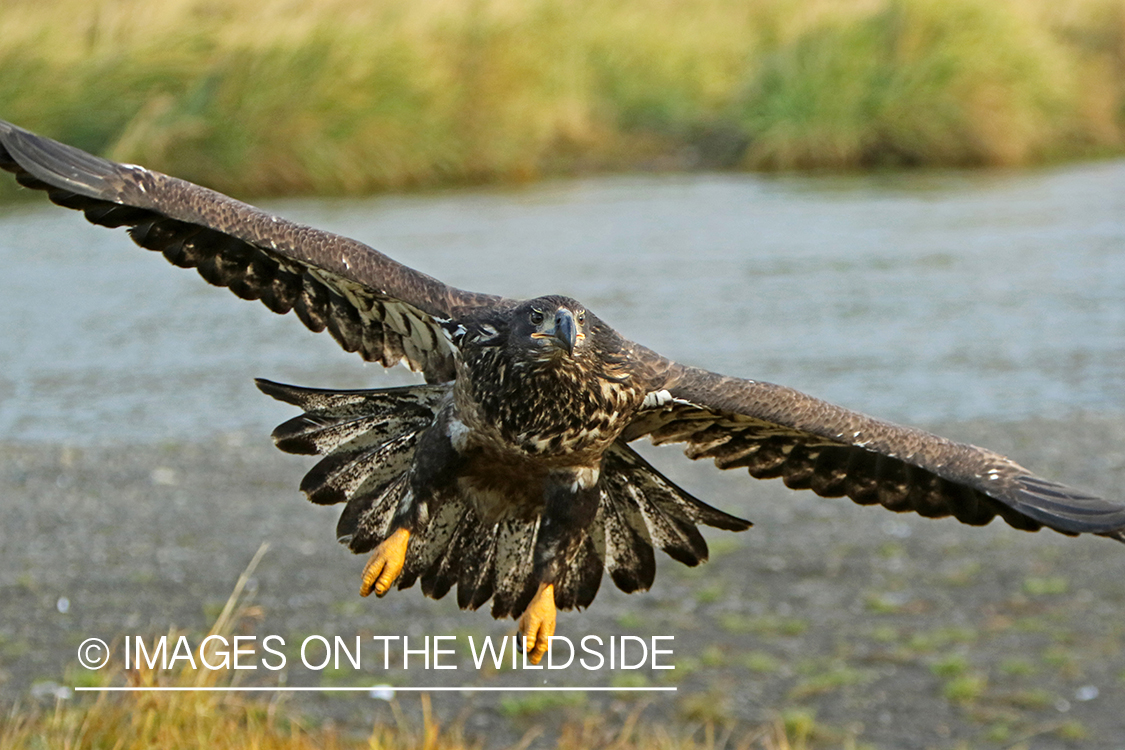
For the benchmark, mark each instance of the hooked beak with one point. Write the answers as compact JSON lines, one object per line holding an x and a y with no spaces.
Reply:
{"x":563,"y":333}
{"x":566,"y":330}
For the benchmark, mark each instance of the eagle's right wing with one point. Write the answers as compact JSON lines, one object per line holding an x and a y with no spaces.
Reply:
{"x":371,"y":304}
{"x":775,"y":431}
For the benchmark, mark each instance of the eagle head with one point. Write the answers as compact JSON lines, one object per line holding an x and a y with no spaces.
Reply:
{"x":550,"y":328}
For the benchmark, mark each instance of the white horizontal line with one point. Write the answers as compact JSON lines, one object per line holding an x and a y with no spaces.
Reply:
{"x":368,"y":689}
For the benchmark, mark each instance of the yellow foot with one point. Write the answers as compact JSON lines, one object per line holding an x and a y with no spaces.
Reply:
{"x":537,"y":624}
{"x":385,"y":564}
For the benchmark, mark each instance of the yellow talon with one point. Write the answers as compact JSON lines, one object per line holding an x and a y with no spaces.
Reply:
{"x":537,"y":624}
{"x":385,"y":564}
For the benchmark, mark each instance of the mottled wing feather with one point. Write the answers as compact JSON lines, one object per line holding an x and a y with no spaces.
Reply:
{"x":367,"y":438}
{"x":477,"y":568}
{"x":427,"y":544}
{"x":445,"y":571}
{"x":514,"y":586}
{"x":629,"y":558}
{"x":582,"y":576}
{"x":351,"y":471}
{"x":367,"y":516}
{"x":363,"y":418}
{"x":369,"y":303}
{"x":777,"y":432}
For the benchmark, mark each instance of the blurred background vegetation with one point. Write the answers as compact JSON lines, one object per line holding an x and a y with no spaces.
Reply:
{"x":261,"y":97}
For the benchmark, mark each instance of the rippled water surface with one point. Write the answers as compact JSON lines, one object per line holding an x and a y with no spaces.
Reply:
{"x":920,"y":297}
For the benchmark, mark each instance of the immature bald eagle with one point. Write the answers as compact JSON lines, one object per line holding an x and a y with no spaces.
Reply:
{"x":509,"y":473}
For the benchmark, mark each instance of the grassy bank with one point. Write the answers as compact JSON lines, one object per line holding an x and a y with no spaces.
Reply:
{"x":339,"y":96}
{"x":186,"y":721}
{"x":191,"y":716}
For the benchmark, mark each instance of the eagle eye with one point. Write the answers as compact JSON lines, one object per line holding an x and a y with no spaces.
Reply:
{"x":581,"y":316}
{"x":536,"y":317}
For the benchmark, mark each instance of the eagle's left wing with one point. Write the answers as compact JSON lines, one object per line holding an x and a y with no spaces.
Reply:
{"x":774,"y":431}
{"x":371,"y":304}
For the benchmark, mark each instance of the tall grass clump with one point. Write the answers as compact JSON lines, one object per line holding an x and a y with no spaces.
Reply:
{"x":344,"y":96}
{"x":917,"y":82}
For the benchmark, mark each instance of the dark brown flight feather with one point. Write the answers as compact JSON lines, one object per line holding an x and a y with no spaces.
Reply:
{"x":369,"y":303}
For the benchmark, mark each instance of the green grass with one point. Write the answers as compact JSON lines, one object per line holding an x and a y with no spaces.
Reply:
{"x":1046,"y":585}
{"x":953,"y":665}
{"x":761,"y":662}
{"x":763,"y":625}
{"x":829,"y":679}
{"x":965,"y":688}
{"x":347,"y":96}
{"x":533,"y":704}
{"x":1017,"y":666}
{"x":941,"y":638}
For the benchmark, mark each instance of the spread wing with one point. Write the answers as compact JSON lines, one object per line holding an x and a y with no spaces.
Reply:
{"x":774,"y":431}
{"x":370,"y":304}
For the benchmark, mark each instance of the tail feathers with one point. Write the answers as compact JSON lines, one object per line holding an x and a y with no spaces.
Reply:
{"x":442,"y":574}
{"x":474,"y":584}
{"x":315,"y":434}
{"x":666,"y":526}
{"x":514,"y":587}
{"x":467,"y":560}
{"x":628,"y":556}
{"x":435,"y":538}
{"x":582,"y":578}
{"x":641,"y":509}
{"x":666,"y":494}
{"x":484,"y":562}
{"x":367,"y":517}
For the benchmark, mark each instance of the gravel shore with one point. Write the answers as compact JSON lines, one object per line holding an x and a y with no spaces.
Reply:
{"x":898,"y":631}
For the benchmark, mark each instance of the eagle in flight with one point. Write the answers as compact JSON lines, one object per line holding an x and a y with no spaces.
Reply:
{"x":509,"y":472}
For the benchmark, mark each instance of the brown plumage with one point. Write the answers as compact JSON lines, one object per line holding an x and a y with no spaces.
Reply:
{"x":509,"y":472}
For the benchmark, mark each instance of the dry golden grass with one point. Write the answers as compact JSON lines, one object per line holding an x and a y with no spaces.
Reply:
{"x":182,"y":723}
{"x":179,"y":720}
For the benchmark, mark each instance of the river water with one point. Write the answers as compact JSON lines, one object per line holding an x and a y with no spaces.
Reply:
{"x":919,"y":297}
